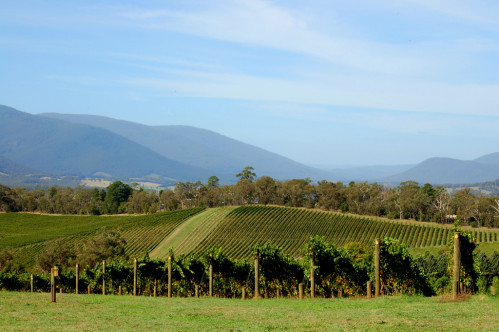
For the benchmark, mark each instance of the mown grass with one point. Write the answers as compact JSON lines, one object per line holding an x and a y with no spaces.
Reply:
{"x":28,"y":312}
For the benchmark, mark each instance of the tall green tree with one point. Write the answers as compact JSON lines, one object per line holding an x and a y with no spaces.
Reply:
{"x":117,"y":193}
{"x":247,"y":174}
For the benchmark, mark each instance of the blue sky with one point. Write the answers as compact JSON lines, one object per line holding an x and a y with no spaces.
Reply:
{"x":321,"y":82}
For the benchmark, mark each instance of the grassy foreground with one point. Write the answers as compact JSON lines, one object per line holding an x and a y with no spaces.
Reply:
{"x":29,"y":312}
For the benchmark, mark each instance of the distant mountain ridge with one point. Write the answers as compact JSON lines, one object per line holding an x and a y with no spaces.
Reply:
{"x":201,"y":147}
{"x":95,"y":146}
{"x":448,"y":170}
{"x":62,"y":148}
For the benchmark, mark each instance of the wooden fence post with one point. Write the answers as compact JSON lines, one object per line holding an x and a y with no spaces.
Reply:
{"x":369,"y":289}
{"x":54,"y":272}
{"x":169,"y":276}
{"x":210,"y":281}
{"x":155,"y":289}
{"x":119,"y":290}
{"x":257,"y":276}
{"x":243,"y":291}
{"x":31,"y":282}
{"x":135,"y":277}
{"x":300,"y":291}
{"x":103,"y":277}
{"x":196,"y":291}
{"x":77,"y":276}
{"x":312,"y":277}
{"x":457,"y":266}
{"x":376,"y":268}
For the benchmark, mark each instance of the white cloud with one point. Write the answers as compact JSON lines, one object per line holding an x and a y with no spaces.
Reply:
{"x":404,"y":95}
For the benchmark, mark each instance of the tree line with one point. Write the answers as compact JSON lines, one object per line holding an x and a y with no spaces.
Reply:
{"x":408,"y":200}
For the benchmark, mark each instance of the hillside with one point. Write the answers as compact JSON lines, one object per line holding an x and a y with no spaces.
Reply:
{"x":61,"y":148}
{"x":28,"y":234}
{"x":235,"y":229}
{"x":448,"y":170}
{"x":201,"y":147}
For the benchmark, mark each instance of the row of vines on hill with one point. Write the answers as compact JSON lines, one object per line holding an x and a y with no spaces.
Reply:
{"x":337,"y":272}
{"x":76,"y":238}
{"x":289,"y":228}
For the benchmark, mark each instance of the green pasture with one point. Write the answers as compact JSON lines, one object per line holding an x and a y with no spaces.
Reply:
{"x":30,"y":312}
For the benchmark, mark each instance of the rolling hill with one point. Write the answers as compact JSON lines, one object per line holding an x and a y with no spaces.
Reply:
{"x":62,"y":148}
{"x":235,"y":229}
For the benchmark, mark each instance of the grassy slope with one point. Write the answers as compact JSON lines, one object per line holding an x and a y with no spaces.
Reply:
{"x":28,"y":312}
{"x":202,"y":230}
{"x":29,"y":233}
{"x":180,"y":233}
{"x":18,"y":229}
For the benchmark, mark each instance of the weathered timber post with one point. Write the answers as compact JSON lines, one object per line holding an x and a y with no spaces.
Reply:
{"x":369,"y":289}
{"x":77,"y":277}
{"x":300,"y":291}
{"x":89,"y":289}
{"x":135,"y":277}
{"x":277,"y":293}
{"x":54,"y":272}
{"x":210,"y":279}
{"x":119,"y":290}
{"x":31,"y":282}
{"x":60,"y":290}
{"x":457,"y":266}
{"x":340,"y":292}
{"x":196,"y":291}
{"x":169,"y":276}
{"x":51,"y":284}
{"x":243,"y":291}
{"x":376,"y":268}
{"x":257,"y":276}
{"x":103,"y":277}
{"x":155,"y":289}
{"x":312,"y":277}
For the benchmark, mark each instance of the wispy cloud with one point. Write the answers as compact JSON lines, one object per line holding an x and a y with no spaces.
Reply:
{"x":404,"y":95}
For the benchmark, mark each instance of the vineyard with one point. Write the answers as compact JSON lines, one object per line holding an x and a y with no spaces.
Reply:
{"x":237,"y":230}
{"x":234,"y":229}
{"x":29,"y":234}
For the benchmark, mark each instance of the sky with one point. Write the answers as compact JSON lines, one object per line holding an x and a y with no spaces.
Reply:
{"x":323,"y":82}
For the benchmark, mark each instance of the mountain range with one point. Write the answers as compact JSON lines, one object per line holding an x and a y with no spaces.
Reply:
{"x":52,"y":144}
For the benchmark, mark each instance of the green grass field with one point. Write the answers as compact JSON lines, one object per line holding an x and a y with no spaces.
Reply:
{"x":30,"y":312}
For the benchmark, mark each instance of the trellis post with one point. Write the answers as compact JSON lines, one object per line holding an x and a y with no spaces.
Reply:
{"x":312,"y":276}
{"x":103,"y":277}
{"x":376,"y":268}
{"x":135,"y":277}
{"x":257,"y":275}
{"x":169,"y":276}
{"x":457,"y":266}
{"x":210,"y":281}
{"x":77,"y":278}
